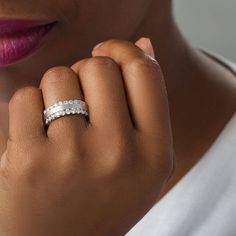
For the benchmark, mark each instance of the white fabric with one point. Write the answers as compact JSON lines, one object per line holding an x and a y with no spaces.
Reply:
{"x":203,"y":202}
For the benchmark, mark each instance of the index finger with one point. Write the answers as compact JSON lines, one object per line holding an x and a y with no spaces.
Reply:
{"x":144,"y":82}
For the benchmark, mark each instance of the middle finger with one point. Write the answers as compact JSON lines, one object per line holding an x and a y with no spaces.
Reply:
{"x":60,"y":84}
{"x":103,"y":89}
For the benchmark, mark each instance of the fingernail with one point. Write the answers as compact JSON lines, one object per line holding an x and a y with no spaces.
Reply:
{"x":98,"y":45}
{"x":150,"y":47}
{"x":145,"y":44}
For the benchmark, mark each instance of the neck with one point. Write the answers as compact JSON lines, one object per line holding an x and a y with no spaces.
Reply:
{"x":172,"y":51}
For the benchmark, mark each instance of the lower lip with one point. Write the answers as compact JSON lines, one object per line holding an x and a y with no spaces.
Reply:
{"x":16,"y":47}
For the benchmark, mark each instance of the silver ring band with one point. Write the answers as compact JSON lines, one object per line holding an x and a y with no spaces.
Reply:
{"x":64,"y":108}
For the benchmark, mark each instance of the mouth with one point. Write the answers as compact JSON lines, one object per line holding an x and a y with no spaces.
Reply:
{"x":20,"y":38}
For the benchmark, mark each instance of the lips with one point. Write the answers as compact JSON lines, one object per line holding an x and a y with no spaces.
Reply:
{"x":20,"y":38}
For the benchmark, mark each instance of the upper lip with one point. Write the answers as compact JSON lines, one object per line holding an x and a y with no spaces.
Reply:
{"x":11,"y":27}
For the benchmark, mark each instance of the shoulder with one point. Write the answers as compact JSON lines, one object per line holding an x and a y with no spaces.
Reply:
{"x":225,"y":62}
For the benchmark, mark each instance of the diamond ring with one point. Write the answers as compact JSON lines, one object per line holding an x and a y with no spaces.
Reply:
{"x":64,"y":108}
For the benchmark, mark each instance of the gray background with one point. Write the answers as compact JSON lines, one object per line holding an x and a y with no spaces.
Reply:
{"x":209,"y":23}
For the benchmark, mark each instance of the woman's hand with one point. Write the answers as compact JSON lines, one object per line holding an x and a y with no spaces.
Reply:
{"x":95,"y":176}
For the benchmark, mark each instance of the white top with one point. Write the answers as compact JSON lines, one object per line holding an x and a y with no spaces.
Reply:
{"x":203,"y":202}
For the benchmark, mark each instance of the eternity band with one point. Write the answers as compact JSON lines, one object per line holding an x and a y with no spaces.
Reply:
{"x":64,"y":108}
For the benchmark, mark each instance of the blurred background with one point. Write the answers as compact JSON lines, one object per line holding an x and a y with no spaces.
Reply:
{"x":209,"y":24}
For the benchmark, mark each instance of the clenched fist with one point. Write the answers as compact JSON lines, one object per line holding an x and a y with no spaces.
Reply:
{"x":88,"y":176}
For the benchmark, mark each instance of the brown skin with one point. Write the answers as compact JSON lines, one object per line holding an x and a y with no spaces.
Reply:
{"x":201,"y":100}
{"x":88,"y":177}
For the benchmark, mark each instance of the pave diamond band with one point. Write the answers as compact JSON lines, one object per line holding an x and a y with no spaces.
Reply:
{"x":64,"y":108}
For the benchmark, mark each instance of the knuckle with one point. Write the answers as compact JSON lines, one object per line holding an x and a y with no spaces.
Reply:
{"x":108,"y":44}
{"x":27,"y":165}
{"x":21,"y":166}
{"x":145,"y":62}
{"x":119,"y":156}
{"x":76,"y":66}
{"x":24,"y":171}
{"x":113,"y":42}
{"x":100,"y":61}
{"x":24,"y":94}
{"x":53,"y":74}
{"x":123,"y":154}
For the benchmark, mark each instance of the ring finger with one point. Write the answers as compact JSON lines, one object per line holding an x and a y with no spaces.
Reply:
{"x":60,"y":84}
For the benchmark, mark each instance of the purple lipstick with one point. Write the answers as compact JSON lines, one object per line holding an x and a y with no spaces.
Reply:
{"x":20,"y":38}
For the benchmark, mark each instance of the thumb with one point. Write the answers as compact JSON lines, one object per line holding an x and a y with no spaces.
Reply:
{"x":146,"y":45}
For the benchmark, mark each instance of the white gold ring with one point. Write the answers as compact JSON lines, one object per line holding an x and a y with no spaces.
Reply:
{"x":64,"y":108}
